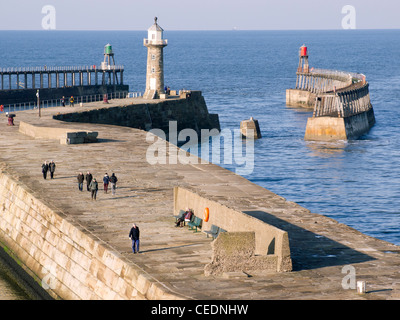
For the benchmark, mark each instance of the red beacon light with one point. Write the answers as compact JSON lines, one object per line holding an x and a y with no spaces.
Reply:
{"x":303,"y":51}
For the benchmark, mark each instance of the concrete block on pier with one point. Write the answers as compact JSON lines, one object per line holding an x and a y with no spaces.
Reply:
{"x":65,"y":136}
{"x":79,"y":137}
{"x":300,"y":98}
{"x":234,"y":252}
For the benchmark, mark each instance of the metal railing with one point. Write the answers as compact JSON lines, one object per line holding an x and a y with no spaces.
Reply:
{"x":344,"y":103}
{"x":155,"y":42}
{"x":59,"y":68}
{"x":61,"y":102}
{"x":338,"y":73}
{"x":325,"y":80}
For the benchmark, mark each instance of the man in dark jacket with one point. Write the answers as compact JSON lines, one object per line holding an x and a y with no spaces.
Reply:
{"x":106,"y":181}
{"x":88,"y":178}
{"x":52,"y":168}
{"x":113,"y":182}
{"x":93,"y":188}
{"x":45,"y":168}
{"x":134,"y":235}
{"x":80,"y":178}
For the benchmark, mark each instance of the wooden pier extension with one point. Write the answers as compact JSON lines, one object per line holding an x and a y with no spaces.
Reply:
{"x":59,"y":77}
{"x":341,"y":101}
{"x":20,"y":84}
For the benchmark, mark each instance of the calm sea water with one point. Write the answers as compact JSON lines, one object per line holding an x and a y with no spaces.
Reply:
{"x":246,"y":73}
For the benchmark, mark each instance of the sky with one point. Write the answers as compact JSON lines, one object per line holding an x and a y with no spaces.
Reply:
{"x":198,"y":15}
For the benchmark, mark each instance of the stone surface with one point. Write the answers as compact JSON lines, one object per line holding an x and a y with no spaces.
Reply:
{"x":300,"y":98}
{"x":233,"y":255}
{"x":175,"y":257}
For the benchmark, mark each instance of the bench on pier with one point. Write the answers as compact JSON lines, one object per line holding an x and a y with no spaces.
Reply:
{"x":180,"y":215}
{"x":214,"y":231}
{"x":195,"y":223}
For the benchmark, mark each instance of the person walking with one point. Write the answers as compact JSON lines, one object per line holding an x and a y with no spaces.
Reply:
{"x":52,"y":169}
{"x":113,"y":182}
{"x":63,"y":101}
{"x":80,"y":178}
{"x":93,"y":188}
{"x":71,"y":101}
{"x":88,"y":178}
{"x":45,"y":168}
{"x":134,"y":235}
{"x":106,"y":181}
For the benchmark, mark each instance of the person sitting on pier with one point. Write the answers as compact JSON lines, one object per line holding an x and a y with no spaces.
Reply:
{"x":186,"y":217}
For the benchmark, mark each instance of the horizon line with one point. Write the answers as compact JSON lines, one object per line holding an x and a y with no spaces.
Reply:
{"x":189,"y":30}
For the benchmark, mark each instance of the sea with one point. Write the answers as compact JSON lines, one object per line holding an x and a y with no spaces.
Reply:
{"x":245,"y":74}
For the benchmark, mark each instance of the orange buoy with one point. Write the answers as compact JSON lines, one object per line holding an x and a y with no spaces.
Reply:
{"x":206,"y":214}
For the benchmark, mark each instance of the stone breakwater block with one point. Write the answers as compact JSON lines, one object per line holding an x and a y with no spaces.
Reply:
{"x":234,"y":256}
{"x":79,"y":134}
{"x":250,"y":129}
{"x":231,"y":252}
{"x":79,"y":137}
{"x":91,"y":136}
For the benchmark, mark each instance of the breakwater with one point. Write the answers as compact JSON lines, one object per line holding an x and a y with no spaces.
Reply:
{"x":341,"y":101}
{"x":311,"y":83}
{"x":19,"y":284}
{"x":188,"y":108}
{"x":88,"y":239}
{"x":343,"y":114}
{"x":65,"y":257}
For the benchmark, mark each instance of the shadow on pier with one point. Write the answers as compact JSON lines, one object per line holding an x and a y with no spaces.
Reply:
{"x":310,"y":250}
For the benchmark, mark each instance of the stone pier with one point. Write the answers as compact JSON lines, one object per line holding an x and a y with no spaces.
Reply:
{"x":341,"y":102}
{"x":51,"y":226}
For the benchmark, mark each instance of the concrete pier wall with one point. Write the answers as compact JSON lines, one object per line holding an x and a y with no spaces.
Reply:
{"x":189,"y":112}
{"x":269,"y":240}
{"x":300,"y":98}
{"x":71,"y":262}
{"x":332,"y":128}
{"x":65,"y":136}
{"x":56,"y":230}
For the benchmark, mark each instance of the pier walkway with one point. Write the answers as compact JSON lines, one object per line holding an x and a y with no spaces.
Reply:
{"x":175,"y":257}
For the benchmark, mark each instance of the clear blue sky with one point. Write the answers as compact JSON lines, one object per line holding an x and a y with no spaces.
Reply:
{"x":199,"y":15}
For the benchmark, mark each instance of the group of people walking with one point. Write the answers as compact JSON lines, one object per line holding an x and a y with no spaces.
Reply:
{"x":48,"y":167}
{"x":71,"y":101}
{"x":93,"y":186}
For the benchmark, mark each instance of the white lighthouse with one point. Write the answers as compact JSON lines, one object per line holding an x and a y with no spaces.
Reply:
{"x":155,"y":62}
